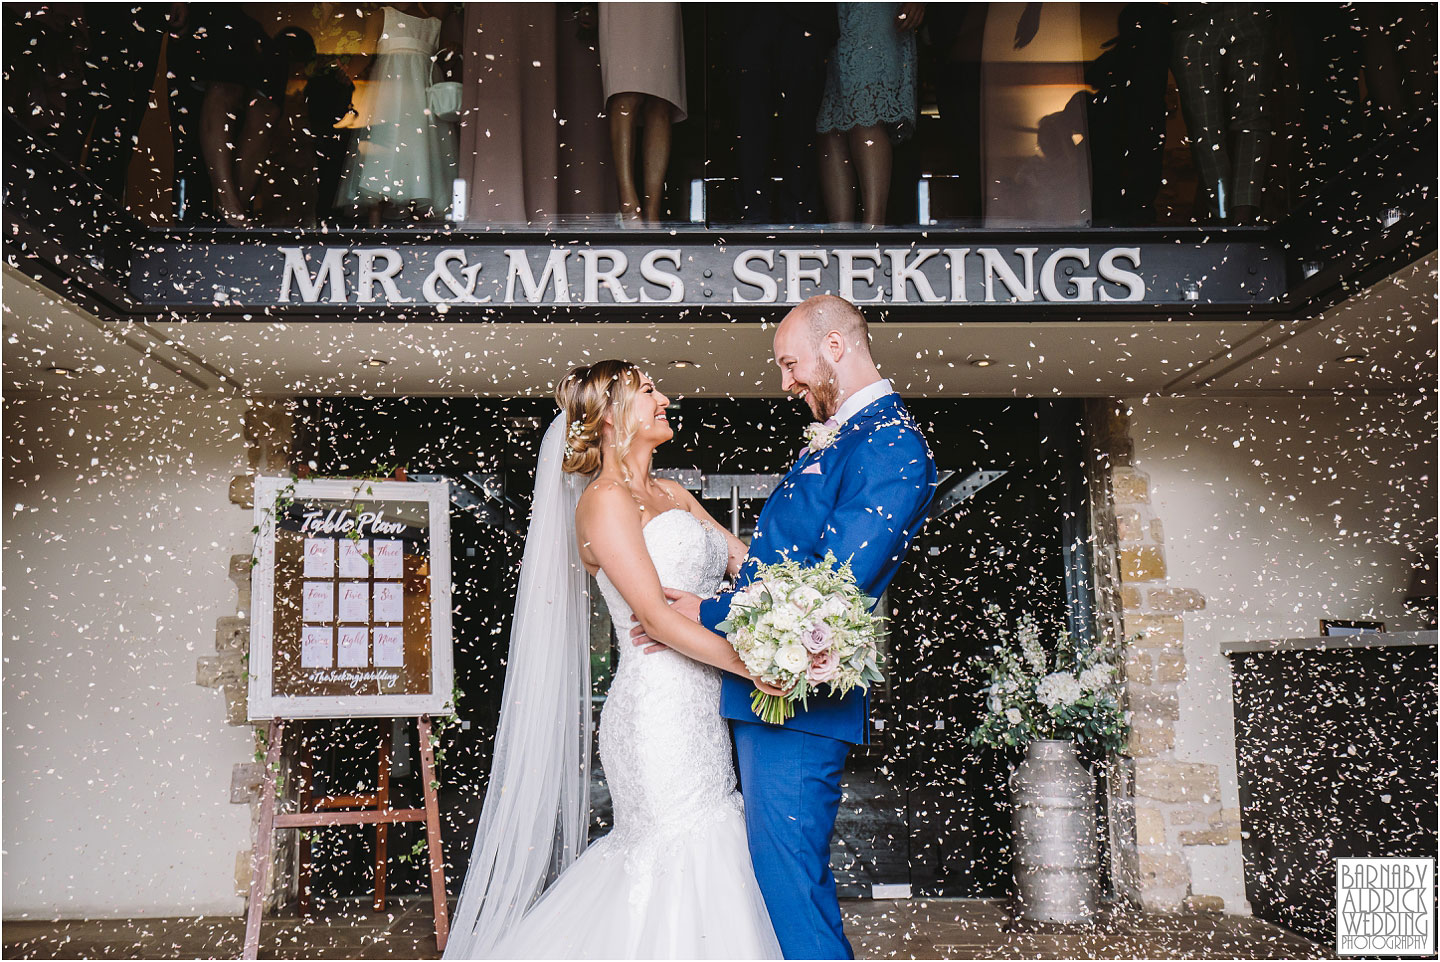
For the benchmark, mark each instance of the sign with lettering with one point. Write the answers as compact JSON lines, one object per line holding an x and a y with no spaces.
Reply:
{"x":939,"y":273}
{"x":350,"y":599}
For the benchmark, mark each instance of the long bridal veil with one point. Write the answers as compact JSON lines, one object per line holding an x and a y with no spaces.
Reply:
{"x":537,"y":806}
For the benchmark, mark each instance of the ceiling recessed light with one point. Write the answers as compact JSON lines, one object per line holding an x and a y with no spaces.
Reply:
{"x":59,"y":371}
{"x":683,"y":364}
{"x":1350,"y":358}
{"x":375,"y":362}
{"x":981,"y":362}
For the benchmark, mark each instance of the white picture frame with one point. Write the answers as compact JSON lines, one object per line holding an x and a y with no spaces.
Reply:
{"x":264,"y":703}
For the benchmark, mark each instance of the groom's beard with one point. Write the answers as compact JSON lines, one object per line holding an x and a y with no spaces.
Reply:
{"x":825,"y":392}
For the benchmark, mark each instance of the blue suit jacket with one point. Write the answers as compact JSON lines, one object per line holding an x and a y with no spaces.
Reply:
{"x":862,"y":499}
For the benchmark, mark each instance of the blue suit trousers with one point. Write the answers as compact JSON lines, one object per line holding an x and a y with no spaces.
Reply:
{"x":791,"y":783}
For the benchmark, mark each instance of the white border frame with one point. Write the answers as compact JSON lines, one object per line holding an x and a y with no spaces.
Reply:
{"x":262,"y":704}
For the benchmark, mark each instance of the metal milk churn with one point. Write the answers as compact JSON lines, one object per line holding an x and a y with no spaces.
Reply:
{"x":1056,"y":857}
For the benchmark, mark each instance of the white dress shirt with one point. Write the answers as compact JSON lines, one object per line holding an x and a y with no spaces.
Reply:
{"x":862,"y":397}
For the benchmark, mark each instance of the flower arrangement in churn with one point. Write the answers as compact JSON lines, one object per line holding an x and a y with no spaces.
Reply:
{"x":1029,"y":697}
{"x":805,"y":629}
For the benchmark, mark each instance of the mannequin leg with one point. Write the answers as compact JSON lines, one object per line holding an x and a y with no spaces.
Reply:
{"x":261,"y":118}
{"x":656,"y":155}
{"x":837,"y":177}
{"x":871,"y":153}
{"x":223,"y":105}
{"x":623,"y":109}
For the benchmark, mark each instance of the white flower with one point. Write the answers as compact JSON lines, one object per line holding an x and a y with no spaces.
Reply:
{"x":993,"y":703}
{"x":792,"y":658}
{"x":1097,"y":676}
{"x":1059,"y":688}
{"x":805,"y":598}
{"x":820,"y":436}
{"x":1013,"y":716}
{"x":833,"y":607}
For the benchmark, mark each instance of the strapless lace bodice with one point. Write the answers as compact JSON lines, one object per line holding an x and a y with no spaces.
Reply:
{"x":688,"y":554}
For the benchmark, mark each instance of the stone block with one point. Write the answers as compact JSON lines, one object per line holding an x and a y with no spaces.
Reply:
{"x":237,"y":705}
{"x":1172,"y":781}
{"x":207,"y":671}
{"x":1206,"y":836}
{"x":1128,"y":486}
{"x":1204,"y":904}
{"x":1131,"y":598}
{"x":1163,"y":870}
{"x":1169,"y":667}
{"x":1157,"y":531}
{"x":1176,"y":599}
{"x":1149,"y":826}
{"x":232,"y":633}
{"x":245,"y":781}
{"x":242,"y":871}
{"x":231,"y":666}
{"x":1228,"y":820}
{"x":1128,"y":524}
{"x":1186,"y":814}
{"x":1153,"y":704}
{"x":242,"y":490}
{"x":1142,"y":562}
{"x":1137,"y":668}
{"x":1149,"y":737}
{"x":1156,"y":631}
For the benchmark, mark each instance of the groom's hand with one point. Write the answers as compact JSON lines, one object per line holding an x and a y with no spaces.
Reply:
{"x":638,"y":637}
{"x":685,"y":603}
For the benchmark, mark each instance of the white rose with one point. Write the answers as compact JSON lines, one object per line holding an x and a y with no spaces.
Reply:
{"x":805,"y":598}
{"x":1058,"y":688}
{"x":792,"y":658}
{"x":833,"y":607}
{"x":1013,"y":716}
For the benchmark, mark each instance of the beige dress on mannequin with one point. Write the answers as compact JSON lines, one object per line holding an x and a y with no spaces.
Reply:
{"x":642,"y":50}
{"x":532,"y":142}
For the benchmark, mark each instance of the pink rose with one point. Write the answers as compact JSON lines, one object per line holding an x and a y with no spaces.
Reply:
{"x":817,"y":638}
{"x":824,"y":666}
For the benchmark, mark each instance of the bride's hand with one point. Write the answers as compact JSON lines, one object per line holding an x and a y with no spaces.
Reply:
{"x":770,"y":689}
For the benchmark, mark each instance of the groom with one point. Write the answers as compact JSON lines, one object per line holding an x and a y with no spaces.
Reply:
{"x":862,"y":496}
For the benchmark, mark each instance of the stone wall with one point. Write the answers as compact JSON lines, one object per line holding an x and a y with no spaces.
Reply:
{"x":1168,"y":804}
{"x":268,"y":432}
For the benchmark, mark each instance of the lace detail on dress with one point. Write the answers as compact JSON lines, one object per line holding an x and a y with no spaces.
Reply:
{"x":871,"y":77}
{"x":663,"y":744}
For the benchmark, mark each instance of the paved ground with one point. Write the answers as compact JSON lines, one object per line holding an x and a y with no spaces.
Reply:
{"x":917,"y":928}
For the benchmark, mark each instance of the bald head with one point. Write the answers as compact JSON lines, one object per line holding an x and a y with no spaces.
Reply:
{"x":823,"y":350}
{"x":825,"y":314}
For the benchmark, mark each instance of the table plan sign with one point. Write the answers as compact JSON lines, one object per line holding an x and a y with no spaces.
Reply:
{"x":350,"y":601}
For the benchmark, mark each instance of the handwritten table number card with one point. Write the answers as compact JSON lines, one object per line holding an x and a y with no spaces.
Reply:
{"x":389,"y":647}
{"x":389,"y":558}
{"x":353,"y":560}
{"x":354,"y":601}
{"x":317,"y":647}
{"x":354,"y":649}
{"x":319,"y":557}
{"x":389,"y":601}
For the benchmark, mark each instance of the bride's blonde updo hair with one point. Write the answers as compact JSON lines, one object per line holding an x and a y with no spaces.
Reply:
{"x":585,"y":395}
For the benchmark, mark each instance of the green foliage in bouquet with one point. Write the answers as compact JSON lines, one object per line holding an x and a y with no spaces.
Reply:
{"x":1029,"y":698}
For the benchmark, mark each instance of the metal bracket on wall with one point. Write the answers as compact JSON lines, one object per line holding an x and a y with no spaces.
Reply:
{"x":950,"y":494}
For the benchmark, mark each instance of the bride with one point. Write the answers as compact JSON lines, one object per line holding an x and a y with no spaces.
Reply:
{"x":674,"y":878}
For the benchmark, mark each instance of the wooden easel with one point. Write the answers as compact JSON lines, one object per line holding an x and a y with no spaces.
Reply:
{"x":375,"y":811}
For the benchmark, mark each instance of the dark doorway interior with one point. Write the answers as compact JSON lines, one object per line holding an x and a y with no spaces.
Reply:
{"x":921,"y":809}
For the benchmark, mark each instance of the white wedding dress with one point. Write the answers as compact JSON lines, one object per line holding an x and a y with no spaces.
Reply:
{"x":673,"y":879}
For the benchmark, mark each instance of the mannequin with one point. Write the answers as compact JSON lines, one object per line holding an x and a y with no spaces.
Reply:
{"x":642,"y":67}
{"x":403,"y":165}
{"x":869,"y":97}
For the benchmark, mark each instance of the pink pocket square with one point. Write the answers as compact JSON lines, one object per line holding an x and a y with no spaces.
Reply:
{"x":811,"y":469}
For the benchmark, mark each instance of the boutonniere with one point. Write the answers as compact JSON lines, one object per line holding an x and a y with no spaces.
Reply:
{"x":819,"y":436}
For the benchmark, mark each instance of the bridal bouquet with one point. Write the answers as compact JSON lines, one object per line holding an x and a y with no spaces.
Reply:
{"x":804,"y":627}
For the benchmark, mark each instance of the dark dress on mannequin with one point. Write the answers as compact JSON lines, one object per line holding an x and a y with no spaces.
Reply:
{"x":218,"y":44}
{"x":121,"y":55}
{"x":778,"y":74}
